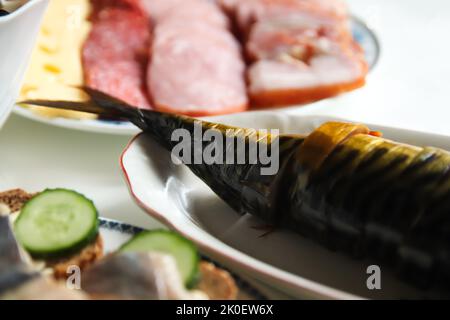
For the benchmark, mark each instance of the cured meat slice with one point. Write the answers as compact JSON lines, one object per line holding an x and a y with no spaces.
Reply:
{"x":196,"y":75}
{"x":99,"y":5}
{"x":198,"y":32}
{"x":196,"y":66}
{"x":296,"y":34}
{"x":185,"y":11}
{"x":246,"y":12}
{"x":158,"y":8}
{"x":115,"y":54}
{"x":300,"y":50}
{"x":290,"y":81}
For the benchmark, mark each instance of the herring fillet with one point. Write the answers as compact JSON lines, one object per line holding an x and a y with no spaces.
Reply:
{"x":13,"y":270}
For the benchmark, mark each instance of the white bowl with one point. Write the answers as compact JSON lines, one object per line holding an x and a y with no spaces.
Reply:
{"x":18,"y":32}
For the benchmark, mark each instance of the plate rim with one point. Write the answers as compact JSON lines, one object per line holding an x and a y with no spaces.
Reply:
{"x":93,"y":125}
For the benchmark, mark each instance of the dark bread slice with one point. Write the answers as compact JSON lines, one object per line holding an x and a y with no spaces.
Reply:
{"x":217,"y":283}
{"x":15,"y":199}
{"x":83,"y":259}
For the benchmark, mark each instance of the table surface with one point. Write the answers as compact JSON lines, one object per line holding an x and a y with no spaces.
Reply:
{"x":407,"y":89}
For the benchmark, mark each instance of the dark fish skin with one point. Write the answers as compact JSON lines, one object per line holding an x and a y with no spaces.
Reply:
{"x":9,"y":248}
{"x":378,"y":199}
{"x":240,"y":185}
{"x":14,"y":278}
{"x":342,"y":186}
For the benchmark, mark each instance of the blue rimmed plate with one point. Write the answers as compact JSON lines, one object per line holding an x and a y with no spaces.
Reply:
{"x":116,"y":233}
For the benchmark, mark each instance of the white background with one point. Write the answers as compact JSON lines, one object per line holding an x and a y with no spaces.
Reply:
{"x":410,"y":87}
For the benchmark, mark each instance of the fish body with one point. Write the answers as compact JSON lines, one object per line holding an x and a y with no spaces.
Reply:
{"x":374,"y":198}
{"x":342,"y":185}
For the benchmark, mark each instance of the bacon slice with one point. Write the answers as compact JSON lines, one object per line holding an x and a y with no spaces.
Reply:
{"x":301,"y":61}
{"x":277,"y":83}
{"x":196,"y":66}
{"x":300,"y":50}
{"x":296,"y":33}
{"x":115,"y":54}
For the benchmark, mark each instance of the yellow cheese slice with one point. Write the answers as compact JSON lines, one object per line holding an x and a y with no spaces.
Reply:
{"x":55,"y":68}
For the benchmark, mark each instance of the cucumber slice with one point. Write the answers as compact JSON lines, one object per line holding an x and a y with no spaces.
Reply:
{"x":183,"y":250}
{"x":56,"y":222}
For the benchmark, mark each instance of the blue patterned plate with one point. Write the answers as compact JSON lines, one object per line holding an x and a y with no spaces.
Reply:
{"x":116,"y":233}
{"x":367,"y":40}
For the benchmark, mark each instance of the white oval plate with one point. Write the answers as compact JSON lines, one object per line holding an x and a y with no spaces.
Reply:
{"x":295,"y":265}
{"x":361,"y":32}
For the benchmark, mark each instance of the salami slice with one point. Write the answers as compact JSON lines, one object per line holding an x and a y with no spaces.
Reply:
{"x":115,"y":54}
